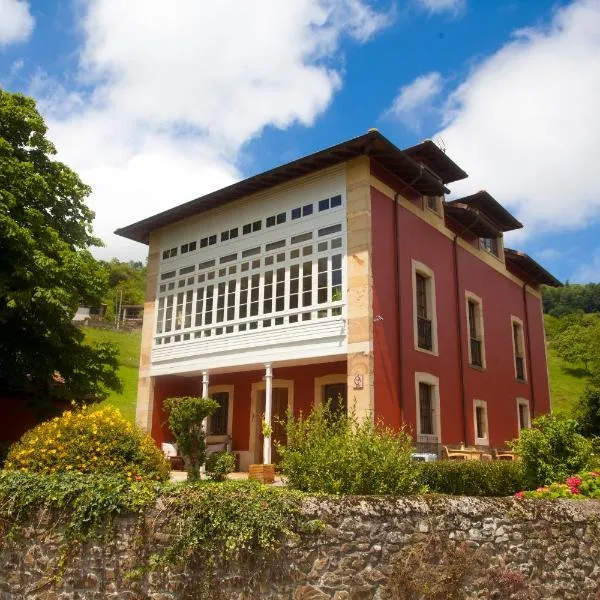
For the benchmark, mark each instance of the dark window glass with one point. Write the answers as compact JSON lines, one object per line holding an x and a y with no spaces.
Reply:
{"x":336,"y":395}
{"x":281,"y":218}
{"x":296,"y":213}
{"x":324,"y":204}
{"x":329,"y":230}
{"x":218,"y":420}
{"x":270,"y":221}
{"x":256,"y":226}
{"x":426,"y":408}
{"x":247,"y":229}
{"x":192,"y":246}
{"x":233,"y":233}
{"x":307,"y":209}
{"x":204,"y":242}
{"x":336,"y":201}
{"x":224,"y":236}
{"x":212,"y":240}
{"x":184,"y":248}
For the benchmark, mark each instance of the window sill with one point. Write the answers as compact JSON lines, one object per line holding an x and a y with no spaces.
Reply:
{"x":425,"y":351}
{"x":482,"y":442}
{"x":478,"y":368}
{"x":520,"y":380}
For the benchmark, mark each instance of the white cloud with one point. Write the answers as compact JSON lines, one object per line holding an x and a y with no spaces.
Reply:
{"x":16,"y":22}
{"x":438,"y":6}
{"x":414,"y":100}
{"x":589,"y":273}
{"x":525,"y":122}
{"x":177,"y":92}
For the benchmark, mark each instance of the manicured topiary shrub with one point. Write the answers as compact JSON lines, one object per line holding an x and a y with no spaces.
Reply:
{"x":88,"y":440}
{"x":473,"y":477}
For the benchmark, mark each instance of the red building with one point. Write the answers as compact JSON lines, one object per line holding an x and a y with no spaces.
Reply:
{"x":344,"y":274}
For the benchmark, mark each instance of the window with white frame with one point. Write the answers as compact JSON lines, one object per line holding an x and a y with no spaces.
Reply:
{"x":518,"y":341}
{"x":480,"y":423}
{"x":428,"y":408}
{"x":282,"y":277}
{"x":523,"y":415}
{"x":490,"y":245}
{"x":476,"y":346}
{"x":424,"y":308}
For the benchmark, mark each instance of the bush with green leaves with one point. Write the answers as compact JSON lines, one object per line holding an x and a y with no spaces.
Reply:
{"x":473,"y":477}
{"x":583,"y":485}
{"x":587,"y":409}
{"x":552,"y":449}
{"x":219,"y":465}
{"x":338,"y":454}
{"x":185,"y":417}
{"x":88,"y":440}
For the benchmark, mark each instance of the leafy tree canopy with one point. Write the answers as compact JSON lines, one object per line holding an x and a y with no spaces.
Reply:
{"x":46,"y":269}
{"x":571,"y":298}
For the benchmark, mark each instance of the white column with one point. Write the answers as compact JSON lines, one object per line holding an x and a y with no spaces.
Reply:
{"x":205,"y":395}
{"x":268,"y":411}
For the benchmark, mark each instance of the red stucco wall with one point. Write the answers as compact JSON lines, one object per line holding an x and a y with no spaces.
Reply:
{"x":304,"y":385}
{"x":501,"y":298}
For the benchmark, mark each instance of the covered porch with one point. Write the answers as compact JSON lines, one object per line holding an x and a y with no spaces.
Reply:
{"x":251,"y":399}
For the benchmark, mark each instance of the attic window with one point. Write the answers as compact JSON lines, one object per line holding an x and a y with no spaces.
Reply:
{"x":489,"y":245}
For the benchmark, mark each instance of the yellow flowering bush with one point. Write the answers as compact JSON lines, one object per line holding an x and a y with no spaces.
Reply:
{"x":88,"y":440}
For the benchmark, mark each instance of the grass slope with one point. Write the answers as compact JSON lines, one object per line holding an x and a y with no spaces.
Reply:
{"x":566,"y":383}
{"x":129,"y":360}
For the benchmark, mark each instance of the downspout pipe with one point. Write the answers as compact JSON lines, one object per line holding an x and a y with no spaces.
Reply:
{"x":400,"y":328}
{"x":528,"y":344}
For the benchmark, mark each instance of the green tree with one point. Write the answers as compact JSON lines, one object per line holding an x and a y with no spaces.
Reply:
{"x":587,"y":410}
{"x":126,"y":278}
{"x":580,"y":342}
{"x":186,"y":415}
{"x":46,"y":269}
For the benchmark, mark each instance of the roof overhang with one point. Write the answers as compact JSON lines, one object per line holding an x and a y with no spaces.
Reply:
{"x":485,"y":203}
{"x":472,"y":219}
{"x":526,"y":264}
{"x":372,"y":144}
{"x":437,"y":160}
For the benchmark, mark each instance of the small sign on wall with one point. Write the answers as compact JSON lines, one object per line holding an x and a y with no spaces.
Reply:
{"x":359,"y":382}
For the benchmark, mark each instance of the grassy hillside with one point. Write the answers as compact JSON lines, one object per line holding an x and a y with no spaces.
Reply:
{"x":566,"y":383}
{"x":129,"y":359}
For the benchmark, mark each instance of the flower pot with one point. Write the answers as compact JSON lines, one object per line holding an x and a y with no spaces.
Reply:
{"x":262,"y":473}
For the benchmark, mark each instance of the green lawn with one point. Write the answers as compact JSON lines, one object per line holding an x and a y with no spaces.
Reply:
{"x":129,"y":359}
{"x":566,"y":383}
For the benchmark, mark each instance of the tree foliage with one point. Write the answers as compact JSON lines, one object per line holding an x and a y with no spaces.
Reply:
{"x":571,"y":298}
{"x":46,"y":269}
{"x":126,"y":278}
{"x":186,"y":415}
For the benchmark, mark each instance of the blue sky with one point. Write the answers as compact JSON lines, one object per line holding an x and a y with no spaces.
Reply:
{"x":157,"y":102}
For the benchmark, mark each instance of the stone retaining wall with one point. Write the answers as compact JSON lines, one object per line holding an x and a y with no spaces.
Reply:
{"x":369,"y":548}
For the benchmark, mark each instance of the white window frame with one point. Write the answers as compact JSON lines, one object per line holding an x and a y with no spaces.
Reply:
{"x":434,"y":382}
{"x":216,"y":389}
{"x":515,"y":320}
{"x":481,"y":441}
{"x":425,"y":271}
{"x":321,"y":382}
{"x":520,"y":426}
{"x":470,"y":296}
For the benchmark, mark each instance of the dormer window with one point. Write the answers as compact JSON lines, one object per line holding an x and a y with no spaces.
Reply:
{"x":433,"y":203}
{"x":489,"y":245}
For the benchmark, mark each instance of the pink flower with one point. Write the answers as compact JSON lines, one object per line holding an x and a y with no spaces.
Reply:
{"x":594,"y":474}
{"x":574,"y":482}
{"x":138,"y":477}
{"x":520,"y":495}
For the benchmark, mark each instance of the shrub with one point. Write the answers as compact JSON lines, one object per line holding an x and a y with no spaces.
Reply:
{"x":587,"y":409}
{"x":98,"y":440}
{"x":219,"y":465}
{"x":473,"y":477}
{"x":552,"y":449}
{"x":584,"y":485}
{"x":336,"y":454}
{"x":186,"y":414}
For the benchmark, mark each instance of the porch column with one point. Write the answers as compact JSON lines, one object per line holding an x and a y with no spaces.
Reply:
{"x":205,"y":395}
{"x":268,"y":412}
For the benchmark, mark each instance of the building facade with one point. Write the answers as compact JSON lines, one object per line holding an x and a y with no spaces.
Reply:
{"x":344,"y":275}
